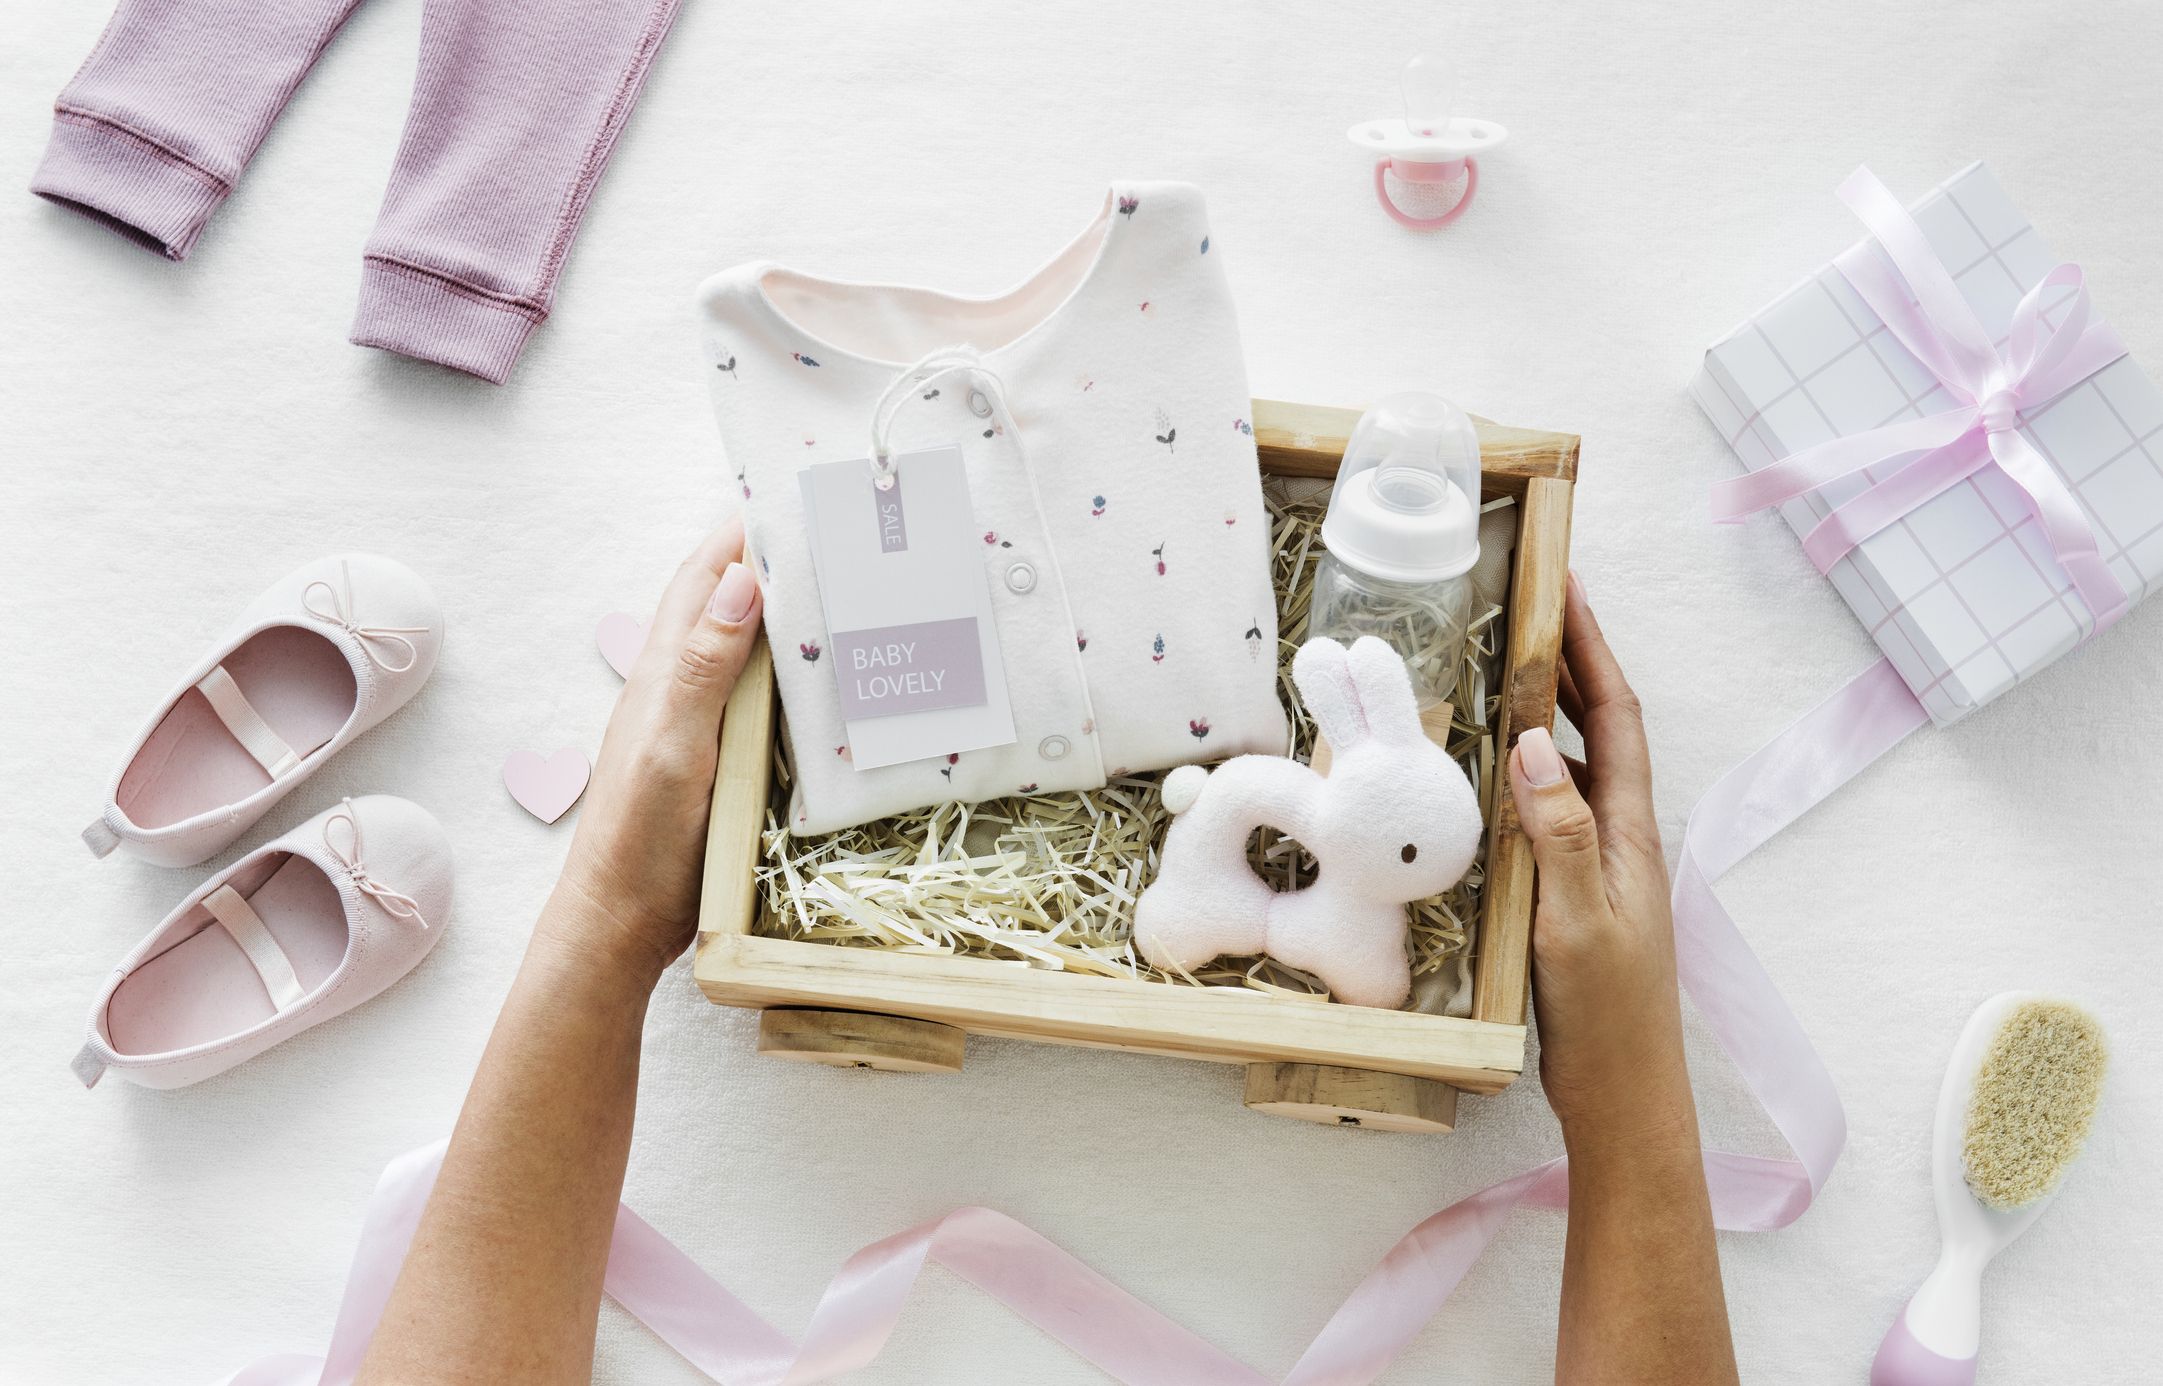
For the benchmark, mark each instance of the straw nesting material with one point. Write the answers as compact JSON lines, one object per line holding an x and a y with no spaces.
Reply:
{"x":1050,"y":880}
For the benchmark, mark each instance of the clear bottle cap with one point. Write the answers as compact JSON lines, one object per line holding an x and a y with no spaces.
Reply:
{"x":1406,"y":503}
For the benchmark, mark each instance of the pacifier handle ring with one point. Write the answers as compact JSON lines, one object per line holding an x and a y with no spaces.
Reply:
{"x":1435,"y":223}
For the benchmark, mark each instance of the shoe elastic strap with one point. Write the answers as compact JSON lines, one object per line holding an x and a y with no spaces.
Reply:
{"x":246,"y":724}
{"x":229,"y":908}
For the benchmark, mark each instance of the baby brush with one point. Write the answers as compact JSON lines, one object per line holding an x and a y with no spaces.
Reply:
{"x":2014,"y":1111}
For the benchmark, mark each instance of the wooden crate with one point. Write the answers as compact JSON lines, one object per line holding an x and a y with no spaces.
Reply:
{"x":1347,"y":1065}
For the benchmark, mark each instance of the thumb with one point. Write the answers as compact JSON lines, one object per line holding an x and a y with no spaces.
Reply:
{"x":719,"y":642}
{"x":1565,"y":837}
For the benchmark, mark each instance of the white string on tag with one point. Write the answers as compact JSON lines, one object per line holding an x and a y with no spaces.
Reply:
{"x":932,"y":365}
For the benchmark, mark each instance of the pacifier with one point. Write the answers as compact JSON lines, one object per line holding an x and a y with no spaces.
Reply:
{"x":1430,"y":149}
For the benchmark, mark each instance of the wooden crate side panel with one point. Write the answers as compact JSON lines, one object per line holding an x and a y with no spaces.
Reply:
{"x":1501,"y":974}
{"x":728,"y":893}
{"x":1216,"y":1023}
{"x":1309,"y":440}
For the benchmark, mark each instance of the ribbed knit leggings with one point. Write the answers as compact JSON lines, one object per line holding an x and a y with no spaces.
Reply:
{"x":515,"y":108}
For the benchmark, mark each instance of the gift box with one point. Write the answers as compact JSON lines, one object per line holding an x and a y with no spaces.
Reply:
{"x":1968,"y":589}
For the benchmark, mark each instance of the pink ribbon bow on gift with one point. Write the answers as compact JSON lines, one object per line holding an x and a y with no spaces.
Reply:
{"x":1917,"y":300}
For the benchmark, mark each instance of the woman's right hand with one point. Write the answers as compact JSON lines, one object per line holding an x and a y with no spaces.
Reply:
{"x":1603,"y":941}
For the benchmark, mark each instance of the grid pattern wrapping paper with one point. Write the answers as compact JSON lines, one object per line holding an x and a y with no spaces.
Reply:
{"x":1963,"y":594}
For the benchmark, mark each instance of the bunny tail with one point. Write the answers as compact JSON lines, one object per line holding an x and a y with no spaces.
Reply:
{"x":1182,"y":787}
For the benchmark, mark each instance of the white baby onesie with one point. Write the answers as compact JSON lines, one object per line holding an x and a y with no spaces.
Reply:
{"x":1100,"y":409}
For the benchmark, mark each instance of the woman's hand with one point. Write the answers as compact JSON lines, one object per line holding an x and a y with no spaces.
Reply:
{"x":1603,"y":943}
{"x":629,"y":891}
{"x":1641,"y":1296}
{"x":504,"y":1278}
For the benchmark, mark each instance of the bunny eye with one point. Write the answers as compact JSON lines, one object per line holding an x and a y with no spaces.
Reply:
{"x":1409,"y":852}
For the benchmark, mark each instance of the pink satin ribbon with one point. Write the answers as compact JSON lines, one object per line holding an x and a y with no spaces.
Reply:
{"x":1132,"y":1342}
{"x":1917,"y":299}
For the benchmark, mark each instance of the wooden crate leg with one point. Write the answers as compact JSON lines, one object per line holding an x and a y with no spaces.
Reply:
{"x":1352,"y":1097}
{"x":857,"y":1039}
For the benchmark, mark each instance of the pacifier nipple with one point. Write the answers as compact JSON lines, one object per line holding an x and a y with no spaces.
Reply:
{"x":1429,"y":85}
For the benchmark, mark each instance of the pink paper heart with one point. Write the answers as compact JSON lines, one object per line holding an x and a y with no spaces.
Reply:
{"x":546,"y":788}
{"x":621,"y":636}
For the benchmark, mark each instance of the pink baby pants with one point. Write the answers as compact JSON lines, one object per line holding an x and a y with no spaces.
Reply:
{"x":515,"y":108}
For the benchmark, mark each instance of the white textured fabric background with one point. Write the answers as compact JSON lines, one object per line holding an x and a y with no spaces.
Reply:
{"x":172,"y":437}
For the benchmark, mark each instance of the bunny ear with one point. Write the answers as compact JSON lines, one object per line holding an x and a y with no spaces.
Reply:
{"x":1323,"y":675}
{"x":1384,"y":689}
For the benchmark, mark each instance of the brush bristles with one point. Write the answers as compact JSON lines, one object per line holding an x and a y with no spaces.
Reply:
{"x":2034,"y":1099}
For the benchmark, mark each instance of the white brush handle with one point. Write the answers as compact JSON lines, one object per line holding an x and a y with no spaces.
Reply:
{"x":1933,"y":1342}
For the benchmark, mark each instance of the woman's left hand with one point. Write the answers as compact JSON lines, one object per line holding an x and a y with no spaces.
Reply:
{"x":629,"y":891}
{"x":504,"y":1276}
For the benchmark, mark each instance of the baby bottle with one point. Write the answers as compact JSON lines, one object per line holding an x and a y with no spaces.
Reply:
{"x":1402,"y":534}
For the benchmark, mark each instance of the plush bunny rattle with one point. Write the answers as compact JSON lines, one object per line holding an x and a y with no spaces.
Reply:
{"x":1394,"y":821}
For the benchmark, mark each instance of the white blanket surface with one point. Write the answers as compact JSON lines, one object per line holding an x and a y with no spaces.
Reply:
{"x":172,"y":437}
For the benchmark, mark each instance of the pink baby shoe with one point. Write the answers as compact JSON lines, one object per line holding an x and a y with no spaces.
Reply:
{"x":333,"y":648}
{"x":296,"y":932}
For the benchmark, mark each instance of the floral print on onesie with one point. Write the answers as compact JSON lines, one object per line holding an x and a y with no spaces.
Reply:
{"x":1134,"y":609}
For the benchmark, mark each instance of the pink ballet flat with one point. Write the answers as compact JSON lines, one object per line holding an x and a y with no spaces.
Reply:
{"x":296,"y":932}
{"x":333,"y":648}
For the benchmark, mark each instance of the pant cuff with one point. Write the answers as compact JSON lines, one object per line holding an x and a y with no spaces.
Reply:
{"x":127,"y":184}
{"x":432,"y":318}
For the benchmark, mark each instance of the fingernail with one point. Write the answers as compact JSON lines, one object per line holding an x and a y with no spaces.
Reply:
{"x":1541,"y":761}
{"x":1577,"y":585}
{"x":731,"y":600}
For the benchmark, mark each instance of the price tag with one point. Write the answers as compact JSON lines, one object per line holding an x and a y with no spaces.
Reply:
{"x":914,"y":650}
